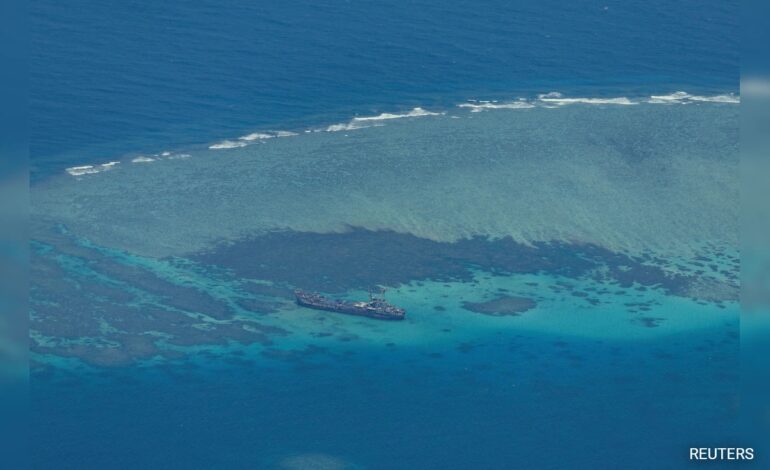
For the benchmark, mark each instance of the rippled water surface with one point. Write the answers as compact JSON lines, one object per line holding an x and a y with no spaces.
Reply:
{"x":551,"y":192}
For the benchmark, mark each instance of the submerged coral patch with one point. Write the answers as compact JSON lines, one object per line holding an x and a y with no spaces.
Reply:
{"x":501,"y":306}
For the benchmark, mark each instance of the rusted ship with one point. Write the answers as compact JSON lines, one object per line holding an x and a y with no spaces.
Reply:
{"x":376,"y":307}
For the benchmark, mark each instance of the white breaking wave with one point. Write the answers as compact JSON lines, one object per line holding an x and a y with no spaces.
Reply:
{"x":676,"y":97}
{"x":363,"y":122}
{"x":416,"y":112}
{"x":256,"y":136}
{"x":682,"y":97}
{"x":245,"y":140}
{"x":347,"y":126}
{"x":546,"y":100}
{"x":285,"y":134}
{"x":90,"y":169}
{"x":529,"y":185}
{"x":81,"y":170}
{"x":228,"y":144}
{"x":559,"y":100}
{"x":718,"y":99}
{"x":479,"y":106}
{"x":555,"y":99}
{"x":266,"y":135}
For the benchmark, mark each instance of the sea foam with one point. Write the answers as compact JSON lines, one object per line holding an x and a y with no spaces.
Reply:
{"x":546,"y":100}
{"x":682,"y":97}
{"x":556,"y":99}
{"x":285,"y":134}
{"x":363,"y":122}
{"x":347,"y":126}
{"x":256,"y":136}
{"x":479,"y":106}
{"x":266,"y":135}
{"x":90,"y":169}
{"x":415,"y":112}
{"x":586,"y":184}
{"x":559,"y":99}
{"x":228,"y":144}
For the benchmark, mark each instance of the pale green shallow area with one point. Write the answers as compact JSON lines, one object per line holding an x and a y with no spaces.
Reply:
{"x":629,"y":178}
{"x":658,"y":182}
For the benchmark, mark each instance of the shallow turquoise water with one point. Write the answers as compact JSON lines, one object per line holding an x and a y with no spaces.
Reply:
{"x":638,"y":177}
{"x":168,"y":279}
{"x":195,"y":163}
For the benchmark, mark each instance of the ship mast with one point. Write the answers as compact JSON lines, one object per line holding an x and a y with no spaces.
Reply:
{"x":378,"y":296}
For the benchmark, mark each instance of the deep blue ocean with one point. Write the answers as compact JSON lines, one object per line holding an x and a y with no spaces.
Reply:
{"x":115,"y":77}
{"x":164,"y":335}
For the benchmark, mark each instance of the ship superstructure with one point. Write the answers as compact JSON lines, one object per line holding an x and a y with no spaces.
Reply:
{"x":377,"y":307}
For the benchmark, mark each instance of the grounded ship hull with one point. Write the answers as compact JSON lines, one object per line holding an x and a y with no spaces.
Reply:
{"x":378,"y":309}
